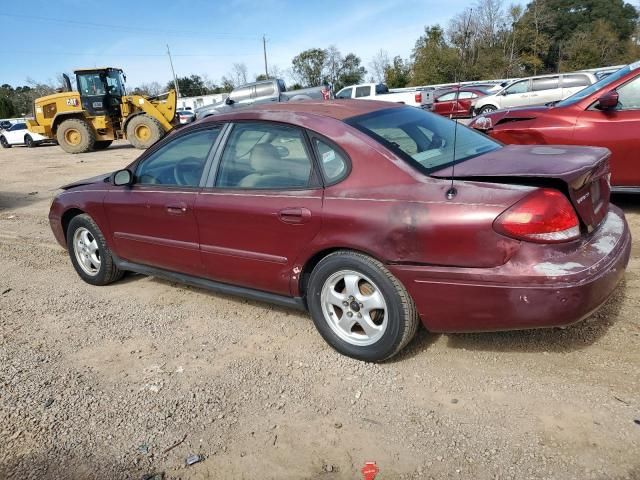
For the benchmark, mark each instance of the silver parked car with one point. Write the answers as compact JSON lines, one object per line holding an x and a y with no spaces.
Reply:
{"x":538,"y":90}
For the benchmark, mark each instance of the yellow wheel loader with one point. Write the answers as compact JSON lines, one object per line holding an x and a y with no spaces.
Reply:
{"x":100,"y":111}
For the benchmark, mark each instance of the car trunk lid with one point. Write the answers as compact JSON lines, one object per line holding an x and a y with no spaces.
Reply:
{"x":582,"y":173}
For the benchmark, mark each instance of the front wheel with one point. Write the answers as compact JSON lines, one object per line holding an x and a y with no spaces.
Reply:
{"x":28,"y":141}
{"x":359,"y":307}
{"x":143,"y":131}
{"x":487,"y":109}
{"x":89,"y":252}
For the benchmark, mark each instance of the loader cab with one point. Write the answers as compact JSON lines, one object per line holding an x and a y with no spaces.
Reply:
{"x":101,"y":90}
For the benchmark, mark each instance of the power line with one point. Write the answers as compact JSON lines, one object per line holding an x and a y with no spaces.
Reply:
{"x":40,"y":52}
{"x":136,"y":29}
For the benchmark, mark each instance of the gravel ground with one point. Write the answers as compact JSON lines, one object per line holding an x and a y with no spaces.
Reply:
{"x":102,"y":382}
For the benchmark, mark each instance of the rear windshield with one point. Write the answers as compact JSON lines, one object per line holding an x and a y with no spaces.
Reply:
{"x":423,"y":139}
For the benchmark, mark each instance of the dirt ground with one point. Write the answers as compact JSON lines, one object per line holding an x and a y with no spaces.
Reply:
{"x":101,"y":382}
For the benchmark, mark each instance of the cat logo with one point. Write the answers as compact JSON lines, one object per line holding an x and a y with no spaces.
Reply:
{"x":72,"y":102}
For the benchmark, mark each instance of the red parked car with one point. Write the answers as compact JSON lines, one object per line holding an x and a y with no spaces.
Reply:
{"x":353,"y":211}
{"x":457,"y":103}
{"x":605,"y":114}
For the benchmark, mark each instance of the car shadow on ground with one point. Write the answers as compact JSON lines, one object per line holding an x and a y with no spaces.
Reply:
{"x":629,"y":202}
{"x":13,"y":200}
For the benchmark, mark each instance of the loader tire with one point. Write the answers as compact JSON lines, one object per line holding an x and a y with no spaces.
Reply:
{"x":75,"y":136}
{"x":143,"y":131}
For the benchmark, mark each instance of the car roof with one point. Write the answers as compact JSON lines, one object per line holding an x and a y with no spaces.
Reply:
{"x":337,"y":109}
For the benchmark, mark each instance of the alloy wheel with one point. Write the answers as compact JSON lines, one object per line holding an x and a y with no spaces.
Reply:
{"x":87,"y":252}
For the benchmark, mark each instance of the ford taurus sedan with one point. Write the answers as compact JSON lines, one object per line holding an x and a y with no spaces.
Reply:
{"x":605,"y":114}
{"x":373,"y":216}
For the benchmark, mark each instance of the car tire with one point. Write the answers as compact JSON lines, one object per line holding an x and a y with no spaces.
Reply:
{"x":143,"y":131}
{"x":102,"y":144}
{"x":89,"y":252}
{"x":359,"y":329}
{"x":75,"y":135}
{"x":4,"y":143}
{"x":28,"y":141}
{"x":487,"y":109}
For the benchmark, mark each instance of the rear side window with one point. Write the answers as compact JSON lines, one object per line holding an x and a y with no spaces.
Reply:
{"x":345,"y":93}
{"x":265,"y":156}
{"x":241,"y":94}
{"x":544,"y":84}
{"x":363,"y":91}
{"x":333,"y":163}
{"x":569,"y":81}
{"x":265,"y":90}
{"x":381,"y":89}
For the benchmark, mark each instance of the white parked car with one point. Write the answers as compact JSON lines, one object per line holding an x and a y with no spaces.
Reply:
{"x":379,"y":91}
{"x":18,"y":134}
{"x":185,"y":116}
{"x":532,"y":91}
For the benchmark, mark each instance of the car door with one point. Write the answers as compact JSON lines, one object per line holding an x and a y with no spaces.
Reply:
{"x":15,"y":135}
{"x":153,"y":220}
{"x":616,"y":130}
{"x":261,"y":206}
{"x":265,"y":92}
{"x":444,"y":104}
{"x":545,"y":90}
{"x":515,"y":95}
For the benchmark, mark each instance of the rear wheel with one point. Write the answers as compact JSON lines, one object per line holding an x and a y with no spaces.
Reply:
{"x":359,"y":307}
{"x":102,"y":144}
{"x":4,"y":143}
{"x":487,"y":109}
{"x":75,"y":136}
{"x":89,"y":252}
{"x":143,"y":131}
{"x":28,"y":141}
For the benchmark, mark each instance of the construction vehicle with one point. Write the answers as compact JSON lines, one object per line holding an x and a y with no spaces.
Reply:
{"x":100,"y":111}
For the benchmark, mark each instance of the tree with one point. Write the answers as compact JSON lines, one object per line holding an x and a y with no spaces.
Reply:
{"x":378,"y":66}
{"x":350,"y":72}
{"x":397,"y":74}
{"x":152,"y":89}
{"x":239,"y":74}
{"x":433,"y":60}
{"x":308,"y":67}
{"x":7,"y":110}
{"x":190,"y":86}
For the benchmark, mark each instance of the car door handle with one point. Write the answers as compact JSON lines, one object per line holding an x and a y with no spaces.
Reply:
{"x":295,"y":215}
{"x":177,"y":208}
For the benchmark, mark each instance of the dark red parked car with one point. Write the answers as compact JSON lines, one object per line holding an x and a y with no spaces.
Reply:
{"x":353,"y":211}
{"x":457,"y":103}
{"x":605,"y":114}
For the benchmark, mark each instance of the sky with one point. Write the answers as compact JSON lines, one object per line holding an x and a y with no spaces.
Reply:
{"x":43,"y":38}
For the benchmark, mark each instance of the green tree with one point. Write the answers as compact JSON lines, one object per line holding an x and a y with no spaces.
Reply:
{"x":433,"y":60}
{"x":190,"y":86}
{"x":350,"y":72}
{"x":7,"y":110}
{"x":398,"y":73}
{"x":308,"y":67}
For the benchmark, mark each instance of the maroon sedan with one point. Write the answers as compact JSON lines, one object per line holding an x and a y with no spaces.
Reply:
{"x":605,"y":114}
{"x":367,"y":214}
{"x":457,"y":103}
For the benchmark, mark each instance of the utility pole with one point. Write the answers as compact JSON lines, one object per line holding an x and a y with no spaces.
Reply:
{"x":175,"y":80}
{"x":264,"y":49}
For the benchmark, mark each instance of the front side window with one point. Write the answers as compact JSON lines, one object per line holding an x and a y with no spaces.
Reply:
{"x":114,"y":84}
{"x":548,"y":83}
{"x":424,"y":140}
{"x":91,"y":84}
{"x":265,"y":156}
{"x":363,"y":91}
{"x":447,"y":97}
{"x":179,"y":162}
{"x":518,"y":87}
{"x":629,"y":95}
{"x":344,"y":93}
{"x":18,"y":126}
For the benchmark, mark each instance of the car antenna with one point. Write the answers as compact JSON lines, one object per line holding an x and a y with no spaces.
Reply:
{"x":452,"y":191}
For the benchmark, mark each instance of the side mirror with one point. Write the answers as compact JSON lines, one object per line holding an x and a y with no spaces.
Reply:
{"x":122,"y":177}
{"x":608,"y":101}
{"x":229,"y":101}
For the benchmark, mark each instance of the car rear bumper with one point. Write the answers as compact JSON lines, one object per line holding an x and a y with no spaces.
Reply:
{"x":543,"y":287}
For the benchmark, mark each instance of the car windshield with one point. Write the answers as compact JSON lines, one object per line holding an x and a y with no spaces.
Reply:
{"x":585,"y":92}
{"x":425,"y":140}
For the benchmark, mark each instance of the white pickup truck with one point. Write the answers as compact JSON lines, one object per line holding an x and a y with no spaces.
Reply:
{"x":379,"y":91}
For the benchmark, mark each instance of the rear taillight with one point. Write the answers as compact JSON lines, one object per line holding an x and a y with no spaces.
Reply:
{"x":418,"y":97}
{"x":544,"y":216}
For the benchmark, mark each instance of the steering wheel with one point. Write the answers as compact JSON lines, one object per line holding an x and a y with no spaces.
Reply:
{"x":187,"y":171}
{"x":147,"y":179}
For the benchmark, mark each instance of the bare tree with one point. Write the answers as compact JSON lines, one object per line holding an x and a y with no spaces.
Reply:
{"x":238,"y":74}
{"x":378,"y":65}
{"x":332,"y":64}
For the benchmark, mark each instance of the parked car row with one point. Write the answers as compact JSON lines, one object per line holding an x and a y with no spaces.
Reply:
{"x":605,"y":114}
{"x":379,"y":91}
